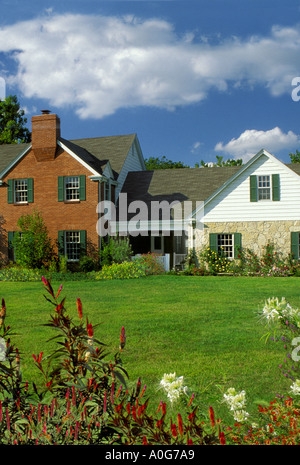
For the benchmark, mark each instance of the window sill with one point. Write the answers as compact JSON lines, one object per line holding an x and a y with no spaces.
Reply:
{"x":20,"y":203}
{"x":72,"y":201}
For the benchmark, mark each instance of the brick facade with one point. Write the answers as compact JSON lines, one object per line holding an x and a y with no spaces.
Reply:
{"x":44,"y":163}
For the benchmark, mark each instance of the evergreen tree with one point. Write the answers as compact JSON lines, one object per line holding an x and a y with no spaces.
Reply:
{"x":12,"y":122}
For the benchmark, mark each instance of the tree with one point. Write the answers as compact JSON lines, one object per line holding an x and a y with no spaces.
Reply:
{"x":33,"y":247}
{"x":220,"y":162}
{"x":295,"y":157}
{"x":162,"y":163}
{"x":12,"y":122}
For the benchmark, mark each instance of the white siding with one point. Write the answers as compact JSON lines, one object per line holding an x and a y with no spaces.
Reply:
{"x":132,"y":163}
{"x":233,"y":202}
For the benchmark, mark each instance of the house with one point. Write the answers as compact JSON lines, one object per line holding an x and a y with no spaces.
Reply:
{"x":164,"y":211}
{"x":238,"y":206}
{"x":65,"y":181}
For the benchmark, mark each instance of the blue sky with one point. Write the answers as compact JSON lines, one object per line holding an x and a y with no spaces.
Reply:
{"x":193,"y":79}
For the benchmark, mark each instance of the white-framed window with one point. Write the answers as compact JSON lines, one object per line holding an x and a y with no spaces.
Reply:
{"x":226,"y":245}
{"x":20,"y":191}
{"x":71,"y":187}
{"x":72,"y":245}
{"x":107,"y":190}
{"x":264,"y":187}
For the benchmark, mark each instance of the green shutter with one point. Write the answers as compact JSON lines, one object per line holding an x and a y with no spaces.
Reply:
{"x":295,"y":244}
{"x":82,"y":187}
{"x":213,"y":242}
{"x":61,"y":243}
{"x":237,"y":244}
{"x":30,"y":190}
{"x":83,"y":242}
{"x":253,"y":189}
{"x":10,"y":191}
{"x":60,"y":182}
{"x":275,"y":187}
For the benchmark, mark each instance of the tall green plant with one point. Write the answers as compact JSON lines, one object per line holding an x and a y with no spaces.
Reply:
{"x":32,"y":244}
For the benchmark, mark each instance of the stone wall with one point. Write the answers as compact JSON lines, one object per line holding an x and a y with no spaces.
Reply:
{"x":255,"y":234}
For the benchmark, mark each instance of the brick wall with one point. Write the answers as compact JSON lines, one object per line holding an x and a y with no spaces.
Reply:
{"x":57,"y":215}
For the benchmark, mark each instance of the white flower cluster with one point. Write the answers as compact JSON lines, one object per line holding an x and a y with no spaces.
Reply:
{"x":237,"y":402}
{"x":295,"y":387}
{"x":173,"y":386}
{"x":275,"y":309}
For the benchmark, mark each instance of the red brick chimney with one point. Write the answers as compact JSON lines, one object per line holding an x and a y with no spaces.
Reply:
{"x":45,"y":130}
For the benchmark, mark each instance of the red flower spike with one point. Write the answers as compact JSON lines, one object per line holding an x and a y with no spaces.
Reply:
{"x":59,"y":290}
{"x":145,"y":442}
{"x":44,"y":281}
{"x":222,"y":438}
{"x":174,"y":430}
{"x":89,"y":329}
{"x":212,"y":417}
{"x":160,"y":405}
{"x":180,"y":424}
{"x":79,"y":308}
{"x":122,"y":338}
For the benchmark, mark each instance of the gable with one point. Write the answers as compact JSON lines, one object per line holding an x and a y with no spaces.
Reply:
{"x":232,"y":201}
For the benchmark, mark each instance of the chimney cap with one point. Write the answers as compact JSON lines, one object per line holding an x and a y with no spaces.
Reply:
{"x":45,"y":112}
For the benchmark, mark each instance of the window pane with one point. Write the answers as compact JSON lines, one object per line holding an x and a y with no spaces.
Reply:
{"x":225,"y":244}
{"x":72,"y":188}
{"x":20,"y":190}
{"x":72,"y":245}
{"x":264,"y":188}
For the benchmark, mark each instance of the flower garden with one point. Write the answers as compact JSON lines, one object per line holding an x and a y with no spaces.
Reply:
{"x":83,"y":396}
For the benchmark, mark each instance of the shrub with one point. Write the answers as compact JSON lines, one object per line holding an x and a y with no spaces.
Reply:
{"x":151,"y":263}
{"x":215,"y":262}
{"x":33,"y":247}
{"x":125,"y":270}
{"x":117,"y":250}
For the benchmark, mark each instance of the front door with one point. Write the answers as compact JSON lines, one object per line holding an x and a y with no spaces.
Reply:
{"x":157,"y":244}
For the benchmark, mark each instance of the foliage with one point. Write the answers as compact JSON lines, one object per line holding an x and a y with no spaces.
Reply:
{"x":215,"y":262}
{"x":270,"y":263}
{"x":295,"y":157}
{"x":33,"y":247}
{"x":12,"y":122}
{"x":151,"y":263}
{"x":125,"y":270}
{"x":220,"y":162}
{"x":162,"y":163}
{"x":84,"y":398}
{"x":87,"y":264}
{"x":116,"y":250}
{"x":78,"y":383}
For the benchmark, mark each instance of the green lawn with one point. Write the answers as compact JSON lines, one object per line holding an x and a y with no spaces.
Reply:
{"x":203,"y":328}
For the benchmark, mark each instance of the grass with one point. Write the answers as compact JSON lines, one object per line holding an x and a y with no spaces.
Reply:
{"x":203,"y":328}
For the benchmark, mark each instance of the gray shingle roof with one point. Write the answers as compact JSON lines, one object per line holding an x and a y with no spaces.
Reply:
{"x":9,"y":152}
{"x":112,"y":148}
{"x":195,"y":184}
{"x":94,"y":151}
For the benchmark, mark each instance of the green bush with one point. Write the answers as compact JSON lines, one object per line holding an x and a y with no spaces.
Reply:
{"x":32,"y":244}
{"x":125,"y":270}
{"x":117,"y":250}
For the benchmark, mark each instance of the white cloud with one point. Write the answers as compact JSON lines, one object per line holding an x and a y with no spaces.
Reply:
{"x":252,"y":140}
{"x":99,"y":64}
